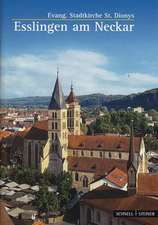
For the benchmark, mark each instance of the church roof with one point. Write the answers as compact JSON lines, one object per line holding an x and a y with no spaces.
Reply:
{"x":98,"y":166}
{"x":57,"y":100}
{"x":131,"y":159}
{"x":109,"y":142}
{"x":71,"y":98}
{"x":39,"y":131}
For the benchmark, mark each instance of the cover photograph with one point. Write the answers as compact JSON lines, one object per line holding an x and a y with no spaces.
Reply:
{"x":79,"y":112}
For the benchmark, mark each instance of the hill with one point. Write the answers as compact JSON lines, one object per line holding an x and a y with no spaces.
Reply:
{"x":147,"y":99}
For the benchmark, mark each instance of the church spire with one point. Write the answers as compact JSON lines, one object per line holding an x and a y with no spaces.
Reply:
{"x":71,"y":98}
{"x":131,"y":159}
{"x":57,"y":100}
{"x":131,"y":165}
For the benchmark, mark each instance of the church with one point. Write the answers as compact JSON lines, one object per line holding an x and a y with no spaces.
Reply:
{"x":57,"y":145}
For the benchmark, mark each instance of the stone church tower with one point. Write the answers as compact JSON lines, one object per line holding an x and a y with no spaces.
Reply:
{"x":57,"y":131}
{"x":73,"y":113}
{"x":132,"y":165}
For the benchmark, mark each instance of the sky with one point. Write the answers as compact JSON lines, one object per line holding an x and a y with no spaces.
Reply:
{"x":95,"y":62}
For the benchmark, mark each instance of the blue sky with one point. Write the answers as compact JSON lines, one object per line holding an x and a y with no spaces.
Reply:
{"x":96,"y":62}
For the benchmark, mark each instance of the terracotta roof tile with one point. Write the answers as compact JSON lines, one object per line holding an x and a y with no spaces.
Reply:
{"x":148,"y":184}
{"x":117,"y":177}
{"x":97,"y":166}
{"x":103,"y":142}
{"x":71,"y":98}
{"x":109,"y":199}
{"x":39,"y":131}
{"x":4,"y":134}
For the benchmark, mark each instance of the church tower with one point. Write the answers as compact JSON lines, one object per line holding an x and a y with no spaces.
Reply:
{"x":57,"y":130}
{"x":131,"y":165}
{"x":73,"y":113}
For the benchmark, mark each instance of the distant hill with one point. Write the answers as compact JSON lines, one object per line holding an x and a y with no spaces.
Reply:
{"x":147,"y":99}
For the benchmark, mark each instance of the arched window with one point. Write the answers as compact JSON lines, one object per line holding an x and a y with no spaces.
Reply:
{"x":89,"y":215}
{"x":85,"y":181}
{"x":109,"y":154}
{"x":120,"y":155}
{"x":76,"y":176}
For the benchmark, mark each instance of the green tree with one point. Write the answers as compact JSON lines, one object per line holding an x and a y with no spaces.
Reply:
{"x":64,"y":183}
{"x":46,"y":201}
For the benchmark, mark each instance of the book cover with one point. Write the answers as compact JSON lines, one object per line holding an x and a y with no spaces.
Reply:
{"x":79,"y":112}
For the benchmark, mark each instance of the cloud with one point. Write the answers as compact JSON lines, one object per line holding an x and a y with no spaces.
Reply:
{"x":34,"y":75}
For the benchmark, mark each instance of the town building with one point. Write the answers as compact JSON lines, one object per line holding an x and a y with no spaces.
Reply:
{"x":57,"y":145}
{"x":107,"y":205}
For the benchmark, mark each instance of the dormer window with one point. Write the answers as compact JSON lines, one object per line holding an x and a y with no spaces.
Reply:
{"x":81,"y":144}
{"x":94,"y":166}
{"x":100,"y":145}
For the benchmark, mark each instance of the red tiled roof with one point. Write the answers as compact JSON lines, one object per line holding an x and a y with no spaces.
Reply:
{"x":109,"y":199}
{"x":4,"y":217}
{"x":148,"y":184}
{"x":39,"y":131}
{"x":71,"y":98}
{"x":97,"y":166}
{"x":103,"y":142}
{"x":117,"y":177}
{"x":4,"y":134}
{"x":42,"y":124}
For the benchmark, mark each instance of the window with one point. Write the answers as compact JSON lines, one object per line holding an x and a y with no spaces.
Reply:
{"x":101,"y":154}
{"x":52,"y":136}
{"x":76,"y":176}
{"x":29,"y":154}
{"x":85,"y":181}
{"x":82,"y":153}
{"x":120,"y":156}
{"x":92,"y":154}
{"x":52,"y":126}
{"x":56,"y":125}
{"x":109,"y":154}
{"x":54,"y":115}
{"x":98,"y":217}
{"x":73,"y":152}
{"x":36,"y":156}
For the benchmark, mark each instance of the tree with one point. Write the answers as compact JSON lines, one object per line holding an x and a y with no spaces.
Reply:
{"x":46,"y":201}
{"x":64,"y":183}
